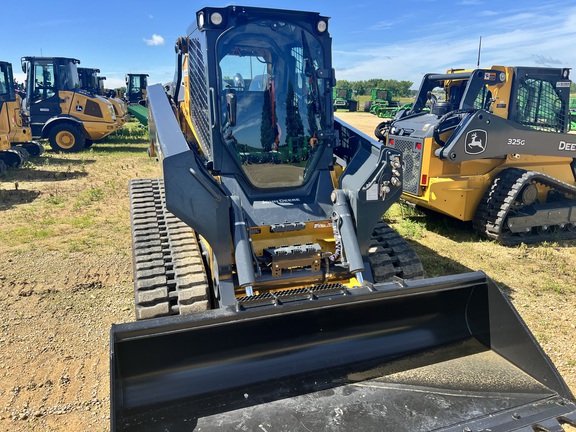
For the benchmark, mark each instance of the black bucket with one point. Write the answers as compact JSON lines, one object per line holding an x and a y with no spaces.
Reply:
{"x":446,"y":353}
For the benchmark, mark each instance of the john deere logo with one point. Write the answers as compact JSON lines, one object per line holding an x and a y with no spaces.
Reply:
{"x":476,"y":141}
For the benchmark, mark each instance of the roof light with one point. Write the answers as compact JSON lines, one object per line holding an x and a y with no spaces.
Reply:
{"x":200,"y":20}
{"x":321,"y":26}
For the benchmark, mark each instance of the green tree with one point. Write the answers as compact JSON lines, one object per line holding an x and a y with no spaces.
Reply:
{"x":399,"y":88}
{"x":294,"y":126}
{"x":267,"y":134}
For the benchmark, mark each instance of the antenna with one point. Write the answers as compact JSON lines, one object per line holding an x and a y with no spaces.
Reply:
{"x":479,"y":49}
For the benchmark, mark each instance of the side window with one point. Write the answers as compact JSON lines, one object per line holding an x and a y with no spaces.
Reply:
{"x":3,"y":83}
{"x":43,"y":82}
{"x":483,"y":99}
{"x":540,"y":106}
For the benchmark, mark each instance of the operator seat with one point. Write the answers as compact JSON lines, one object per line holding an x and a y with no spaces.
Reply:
{"x":259,"y":83}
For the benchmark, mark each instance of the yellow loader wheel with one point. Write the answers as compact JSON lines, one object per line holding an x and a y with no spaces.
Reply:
{"x":66,"y":138}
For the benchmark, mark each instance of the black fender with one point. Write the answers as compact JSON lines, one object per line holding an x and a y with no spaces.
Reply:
{"x":58,"y":120}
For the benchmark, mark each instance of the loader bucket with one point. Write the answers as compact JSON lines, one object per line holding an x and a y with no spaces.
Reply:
{"x":448,"y":354}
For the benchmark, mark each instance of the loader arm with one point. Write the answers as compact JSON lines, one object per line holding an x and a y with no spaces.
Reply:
{"x":482,"y":134}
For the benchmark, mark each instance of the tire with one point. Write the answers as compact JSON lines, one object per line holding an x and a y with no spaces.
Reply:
{"x":367,"y":106}
{"x":88,"y":143}
{"x":352,"y":106}
{"x":34,"y":148}
{"x":381,"y":130}
{"x":15,"y":157}
{"x":66,"y":138}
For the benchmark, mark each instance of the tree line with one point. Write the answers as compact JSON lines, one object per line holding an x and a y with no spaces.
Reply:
{"x":399,"y":88}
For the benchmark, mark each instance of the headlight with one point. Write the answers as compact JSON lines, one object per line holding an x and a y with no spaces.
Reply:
{"x":216,"y":18}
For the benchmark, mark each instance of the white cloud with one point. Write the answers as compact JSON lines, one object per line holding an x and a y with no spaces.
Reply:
{"x":155,"y":41}
{"x":518,"y":39}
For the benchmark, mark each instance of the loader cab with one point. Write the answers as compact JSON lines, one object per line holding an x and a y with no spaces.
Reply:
{"x":102,"y":89}
{"x":46,"y":77}
{"x":136,"y":88}
{"x":534,"y":97}
{"x":88,"y":78}
{"x":274,"y":102}
{"x":7,"y":93}
{"x":540,"y":98}
{"x":455,"y":90}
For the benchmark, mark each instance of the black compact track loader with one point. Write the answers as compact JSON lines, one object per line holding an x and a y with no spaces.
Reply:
{"x":269,"y":294}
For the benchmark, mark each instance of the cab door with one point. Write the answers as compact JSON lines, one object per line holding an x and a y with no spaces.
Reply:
{"x":43,"y":98}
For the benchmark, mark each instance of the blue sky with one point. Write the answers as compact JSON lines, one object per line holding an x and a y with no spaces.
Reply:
{"x":371,"y":38}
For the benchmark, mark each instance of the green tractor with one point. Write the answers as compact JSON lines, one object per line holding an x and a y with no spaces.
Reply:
{"x":344,"y":98}
{"x":382,"y":103}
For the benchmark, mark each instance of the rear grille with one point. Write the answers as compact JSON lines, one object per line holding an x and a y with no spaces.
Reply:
{"x":199,"y":94}
{"x":412,"y":163}
{"x":93,"y":109}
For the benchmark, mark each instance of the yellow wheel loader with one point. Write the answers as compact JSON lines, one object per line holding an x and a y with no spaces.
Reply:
{"x":71,"y":119}
{"x":16,"y":143}
{"x":269,"y":293}
{"x":493,"y":149}
{"x":94,"y":84}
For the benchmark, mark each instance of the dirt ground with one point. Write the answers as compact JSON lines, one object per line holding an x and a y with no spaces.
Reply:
{"x":67,"y":276}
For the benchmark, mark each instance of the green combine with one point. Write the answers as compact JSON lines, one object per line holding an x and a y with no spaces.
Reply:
{"x":344,"y":98}
{"x":382,"y":103}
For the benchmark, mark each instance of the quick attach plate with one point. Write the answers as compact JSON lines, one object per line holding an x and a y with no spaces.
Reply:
{"x":296,"y":256}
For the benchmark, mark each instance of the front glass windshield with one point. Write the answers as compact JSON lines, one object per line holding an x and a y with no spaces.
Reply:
{"x":136,"y":84}
{"x":100,"y":84}
{"x":88,"y":79}
{"x":43,"y":85}
{"x":68,"y":75}
{"x":270,"y":100}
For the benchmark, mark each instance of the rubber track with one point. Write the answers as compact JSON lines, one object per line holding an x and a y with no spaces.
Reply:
{"x":501,"y":198}
{"x":169,"y":273}
{"x":391,"y":256}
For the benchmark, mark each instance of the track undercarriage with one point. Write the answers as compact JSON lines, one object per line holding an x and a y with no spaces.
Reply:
{"x":510,"y":212}
{"x":169,"y":268}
